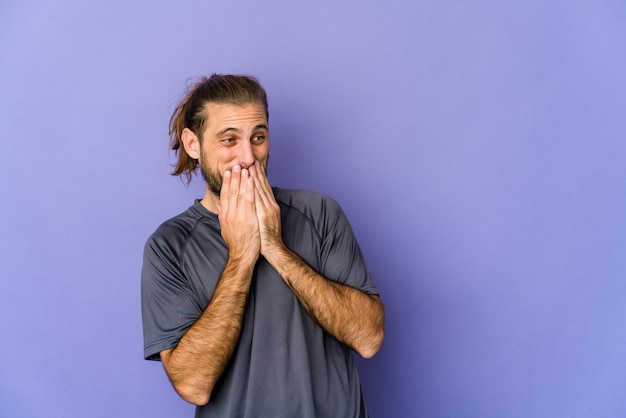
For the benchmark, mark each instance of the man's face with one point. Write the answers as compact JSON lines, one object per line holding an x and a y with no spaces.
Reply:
{"x":234,"y":135}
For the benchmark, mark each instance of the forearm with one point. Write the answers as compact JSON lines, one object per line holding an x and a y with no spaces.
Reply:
{"x":353,"y":317}
{"x":199,"y":359}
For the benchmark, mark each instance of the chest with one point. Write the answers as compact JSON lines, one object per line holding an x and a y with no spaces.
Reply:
{"x":206,"y":253}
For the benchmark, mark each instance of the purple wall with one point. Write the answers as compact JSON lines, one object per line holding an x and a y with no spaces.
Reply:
{"x":479,"y":149}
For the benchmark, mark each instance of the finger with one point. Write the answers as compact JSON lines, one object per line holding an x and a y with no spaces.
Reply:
{"x":225,"y":191}
{"x":235,"y":184}
{"x":246,"y":183}
{"x":254,"y":173}
{"x":259,"y":173}
{"x":262,"y":184}
{"x":250,"y":193}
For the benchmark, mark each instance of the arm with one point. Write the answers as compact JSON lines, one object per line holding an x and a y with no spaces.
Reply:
{"x":199,"y":359}
{"x":351,"y":316}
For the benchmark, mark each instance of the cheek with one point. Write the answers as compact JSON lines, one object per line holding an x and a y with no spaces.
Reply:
{"x":223,"y":160}
{"x":260,"y":153}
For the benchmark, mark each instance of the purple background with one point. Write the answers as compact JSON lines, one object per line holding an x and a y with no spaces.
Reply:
{"x":478,"y":148}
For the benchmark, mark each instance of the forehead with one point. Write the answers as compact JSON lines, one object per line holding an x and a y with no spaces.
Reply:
{"x":221,"y":115}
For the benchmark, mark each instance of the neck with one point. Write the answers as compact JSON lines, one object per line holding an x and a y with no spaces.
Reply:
{"x":210,"y":201}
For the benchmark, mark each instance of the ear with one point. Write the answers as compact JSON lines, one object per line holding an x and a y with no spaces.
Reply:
{"x":191,"y":142}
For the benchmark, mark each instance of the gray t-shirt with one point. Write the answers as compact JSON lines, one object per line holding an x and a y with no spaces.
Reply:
{"x":284,"y":365}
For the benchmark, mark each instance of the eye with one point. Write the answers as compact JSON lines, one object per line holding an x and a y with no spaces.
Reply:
{"x":258,"y":139}
{"x":227,"y":141}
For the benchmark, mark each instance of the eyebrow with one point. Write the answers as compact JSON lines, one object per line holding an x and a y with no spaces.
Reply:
{"x":256,"y":128}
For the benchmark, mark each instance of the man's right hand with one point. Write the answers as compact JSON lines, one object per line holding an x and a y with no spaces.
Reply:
{"x":237,"y":215}
{"x":202,"y":354}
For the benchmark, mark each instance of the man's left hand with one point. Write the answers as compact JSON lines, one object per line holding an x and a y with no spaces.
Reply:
{"x":267,"y":210}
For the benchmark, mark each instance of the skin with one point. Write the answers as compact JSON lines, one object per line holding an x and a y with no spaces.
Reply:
{"x":235,"y":152}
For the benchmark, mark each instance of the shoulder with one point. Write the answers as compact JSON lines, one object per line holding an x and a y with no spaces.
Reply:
{"x":320,"y":210}
{"x":306,"y":201}
{"x":172,"y":233}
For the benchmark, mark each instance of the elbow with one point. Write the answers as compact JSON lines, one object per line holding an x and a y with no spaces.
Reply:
{"x":193,"y":395}
{"x":199,"y":400}
{"x":373,"y":345}
{"x":190,"y":386}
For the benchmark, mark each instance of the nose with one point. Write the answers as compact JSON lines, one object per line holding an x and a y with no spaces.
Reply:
{"x":246,"y":157}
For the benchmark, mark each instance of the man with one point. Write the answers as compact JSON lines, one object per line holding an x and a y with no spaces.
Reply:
{"x":254,"y":297}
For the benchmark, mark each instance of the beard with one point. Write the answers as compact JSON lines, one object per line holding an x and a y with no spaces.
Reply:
{"x":214,"y":178}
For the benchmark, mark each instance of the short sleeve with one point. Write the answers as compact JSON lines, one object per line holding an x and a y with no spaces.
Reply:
{"x":167,"y":306}
{"x":342,"y":260}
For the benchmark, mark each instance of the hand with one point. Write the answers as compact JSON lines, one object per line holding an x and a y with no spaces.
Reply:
{"x":237,"y":214}
{"x":267,"y":211}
